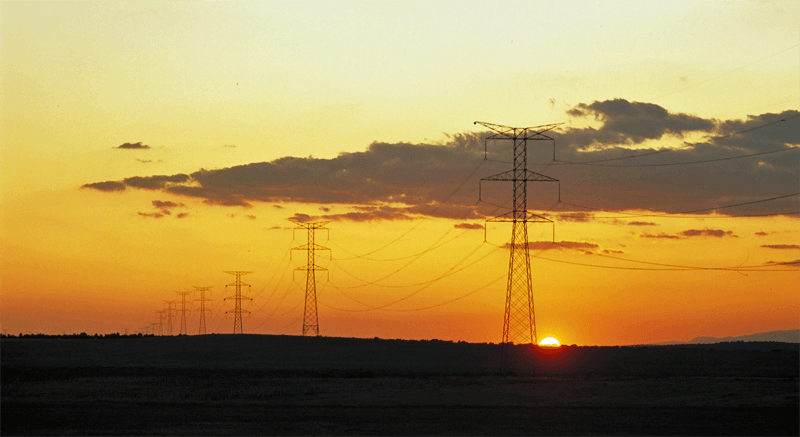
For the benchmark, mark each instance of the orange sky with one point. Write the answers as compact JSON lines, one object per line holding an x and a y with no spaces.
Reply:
{"x":238,"y":116}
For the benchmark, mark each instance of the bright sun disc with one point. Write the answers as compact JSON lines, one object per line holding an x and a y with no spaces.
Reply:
{"x":550,"y":342}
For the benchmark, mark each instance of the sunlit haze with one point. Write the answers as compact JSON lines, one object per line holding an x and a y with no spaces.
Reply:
{"x":147,"y":147}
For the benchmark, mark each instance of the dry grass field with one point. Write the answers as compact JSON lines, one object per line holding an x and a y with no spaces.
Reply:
{"x":285,"y":385}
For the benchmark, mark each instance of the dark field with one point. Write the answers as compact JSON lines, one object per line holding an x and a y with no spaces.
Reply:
{"x":255,"y":385}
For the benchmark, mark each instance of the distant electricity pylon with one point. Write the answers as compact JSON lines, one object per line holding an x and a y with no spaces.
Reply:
{"x":169,"y":311}
{"x":203,"y":299}
{"x":160,"y":322}
{"x":183,"y":310}
{"x":310,"y":318}
{"x":237,"y":312}
{"x":519,"y":321}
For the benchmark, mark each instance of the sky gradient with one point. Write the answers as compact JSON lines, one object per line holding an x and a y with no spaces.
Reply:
{"x":149,"y":146}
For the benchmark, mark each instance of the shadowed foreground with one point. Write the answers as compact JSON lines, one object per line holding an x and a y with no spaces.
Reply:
{"x":253,"y":385}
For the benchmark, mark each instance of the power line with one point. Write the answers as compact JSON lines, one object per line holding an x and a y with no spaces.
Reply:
{"x":683,"y":214}
{"x":442,"y":203}
{"x":597,"y":163}
{"x":383,"y":308}
{"x":399,"y":258}
{"x":725,"y":74}
{"x":751,"y":268}
{"x":668,"y":164}
{"x":449,"y":272}
{"x":416,"y":284}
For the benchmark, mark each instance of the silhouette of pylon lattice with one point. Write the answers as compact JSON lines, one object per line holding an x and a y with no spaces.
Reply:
{"x":310,"y":316}
{"x":519,"y":321}
{"x":237,"y":310}
{"x":203,"y":299}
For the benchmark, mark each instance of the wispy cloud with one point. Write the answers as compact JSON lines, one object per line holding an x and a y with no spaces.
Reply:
{"x":781,"y":246}
{"x":718,"y":233}
{"x":360,"y":214}
{"x":138,"y":145}
{"x":157,"y":215}
{"x":468,"y":226}
{"x":690,"y":233}
{"x":580,"y":246}
{"x":660,"y":236}
{"x":636,"y":223}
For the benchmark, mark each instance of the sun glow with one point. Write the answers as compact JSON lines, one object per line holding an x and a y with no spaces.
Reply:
{"x":549,"y":342}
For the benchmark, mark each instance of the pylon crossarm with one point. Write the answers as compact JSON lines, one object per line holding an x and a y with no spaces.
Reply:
{"x":238,"y":283}
{"x":529,"y":133}
{"x":530,"y":176}
{"x":314,"y":267}
{"x":314,"y":225}
{"x":307,"y":247}
{"x":529,"y":218}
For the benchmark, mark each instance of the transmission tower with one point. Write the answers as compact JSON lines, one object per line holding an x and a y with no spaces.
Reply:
{"x":183,"y":310}
{"x":237,"y":312}
{"x":160,"y":322}
{"x":310,"y":319}
{"x":203,"y":309}
{"x":169,"y":311}
{"x":519,"y":321}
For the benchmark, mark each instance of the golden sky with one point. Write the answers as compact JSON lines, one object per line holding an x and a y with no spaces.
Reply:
{"x":149,"y":146}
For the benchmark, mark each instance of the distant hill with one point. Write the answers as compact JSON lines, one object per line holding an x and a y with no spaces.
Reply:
{"x":790,"y":336}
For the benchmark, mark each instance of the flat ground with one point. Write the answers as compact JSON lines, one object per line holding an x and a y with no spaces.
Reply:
{"x":256,"y":385}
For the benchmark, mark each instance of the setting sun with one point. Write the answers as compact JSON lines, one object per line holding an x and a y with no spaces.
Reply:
{"x":549,"y":342}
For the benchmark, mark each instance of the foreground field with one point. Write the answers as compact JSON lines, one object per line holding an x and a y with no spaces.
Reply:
{"x":255,"y":385}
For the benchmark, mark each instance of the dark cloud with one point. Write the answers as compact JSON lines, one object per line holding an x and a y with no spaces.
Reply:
{"x":762,"y":234}
{"x":138,"y":145}
{"x":610,"y":251}
{"x":156,"y":182}
{"x":182,"y":215}
{"x":302,"y":218}
{"x":795,"y":263}
{"x":575,"y":217}
{"x":689,"y":233}
{"x":642,"y":224}
{"x":468,"y":226}
{"x":707,"y":233}
{"x":360,"y":214}
{"x":324,"y":209}
{"x":660,"y":236}
{"x":561,"y":245}
{"x":230,"y":146}
{"x":144,"y":161}
{"x":251,"y":217}
{"x":106,"y":186}
{"x":157,"y":215}
{"x":278,"y":207}
{"x":416,"y":179}
{"x":781,"y":246}
{"x":628,"y":123}
{"x":166,"y":204}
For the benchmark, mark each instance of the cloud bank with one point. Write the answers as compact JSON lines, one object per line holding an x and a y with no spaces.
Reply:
{"x":599,"y":168}
{"x":138,"y":145}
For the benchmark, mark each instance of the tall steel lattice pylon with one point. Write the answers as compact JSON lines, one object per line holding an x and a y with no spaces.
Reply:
{"x":519,"y":321}
{"x":310,"y":317}
{"x":169,"y":311}
{"x":203,"y":299}
{"x":183,"y":310}
{"x":160,"y":322}
{"x":237,"y":311}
